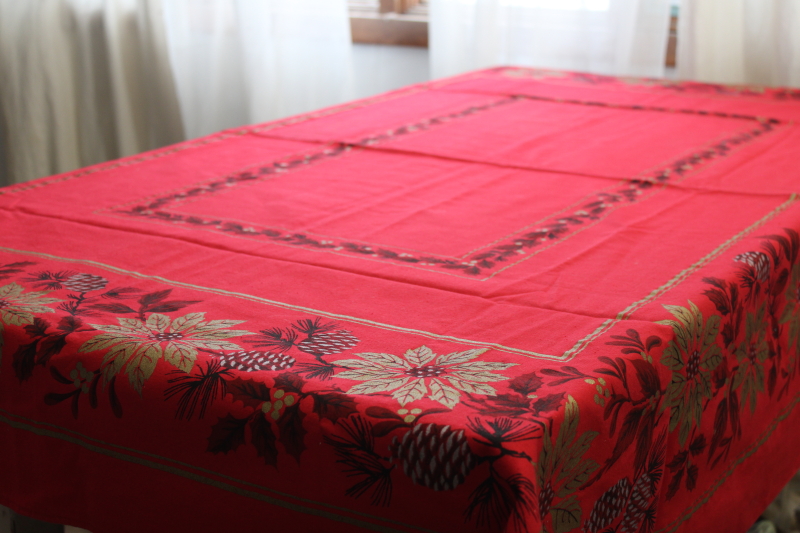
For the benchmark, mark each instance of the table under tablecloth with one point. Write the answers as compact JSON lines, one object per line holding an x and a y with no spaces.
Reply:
{"x":513,"y":300}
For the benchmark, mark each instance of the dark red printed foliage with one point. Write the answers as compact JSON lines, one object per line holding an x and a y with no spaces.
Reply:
{"x":515,"y":300}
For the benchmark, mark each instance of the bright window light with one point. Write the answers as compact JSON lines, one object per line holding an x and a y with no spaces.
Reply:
{"x":590,"y":5}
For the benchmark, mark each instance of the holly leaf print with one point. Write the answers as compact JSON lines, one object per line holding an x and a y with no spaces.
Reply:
{"x":227,"y":434}
{"x":292,"y":432}
{"x":526,"y":384}
{"x":333,"y":405}
{"x":263,"y":439}
{"x":251,"y":393}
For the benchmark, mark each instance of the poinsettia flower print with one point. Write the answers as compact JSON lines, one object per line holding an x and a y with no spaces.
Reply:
{"x":18,"y":308}
{"x":692,"y":356}
{"x":420,"y":371}
{"x":137,"y":345}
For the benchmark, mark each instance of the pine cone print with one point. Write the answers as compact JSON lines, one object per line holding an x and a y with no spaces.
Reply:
{"x":434,"y":456}
{"x":759,"y":261}
{"x":328,"y":343}
{"x":85,"y":283}
{"x":637,"y":507}
{"x":608,"y":507}
{"x":546,"y":496}
{"x":253,"y":361}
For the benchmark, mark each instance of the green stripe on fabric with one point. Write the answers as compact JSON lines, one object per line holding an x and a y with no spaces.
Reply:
{"x":127,"y":454}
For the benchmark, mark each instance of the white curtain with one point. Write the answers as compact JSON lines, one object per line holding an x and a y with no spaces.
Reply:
{"x":244,"y":61}
{"x":81,"y":81}
{"x":618,"y":37}
{"x":740,"y":41}
{"x":84,"y":81}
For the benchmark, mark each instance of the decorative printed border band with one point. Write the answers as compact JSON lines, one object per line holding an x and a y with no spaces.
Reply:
{"x":485,"y":261}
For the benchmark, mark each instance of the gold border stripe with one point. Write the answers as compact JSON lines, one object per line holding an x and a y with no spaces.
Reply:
{"x":283,"y":305}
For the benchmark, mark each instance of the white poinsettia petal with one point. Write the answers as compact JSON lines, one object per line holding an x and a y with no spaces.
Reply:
{"x":212,"y":345}
{"x":180,"y":355}
{"x":12,"y":290}
{"x":218,"y":334}
{"x":141,"y":367}
{"x":36,"y":295}
{"x":158,"y":322}
{"x":472,"y":388}
{"x":419,"y":356}
{"x":363,"y":374}
{"x":101,"y":342}
{"x":485,"y":377}
{"x":385,"y":359}
{"x":359,"y":363}
{"x":480,"y":366}
{"x":377,"y":385}
{"x":460,"y":357}
{"x":119,"y":330}
{"x":187,"y":321}
{"x":217,"y":324}
{"x":133,"y":324}
{"x":410,"y":392}
{"x":444,"y":394}
{"x":16,"y":317}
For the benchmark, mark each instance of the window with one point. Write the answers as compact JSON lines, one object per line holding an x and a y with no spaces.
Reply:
{"x":398,"y":22}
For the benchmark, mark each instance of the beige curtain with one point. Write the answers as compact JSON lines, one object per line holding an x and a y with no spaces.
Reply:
{"x":82,"y":81}
{"x":740,"y":41}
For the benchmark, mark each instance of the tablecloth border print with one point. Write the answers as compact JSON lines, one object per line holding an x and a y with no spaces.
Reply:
{"x":551,"y":230}
{"x":752,"y":315}
{"x":578,"y":347}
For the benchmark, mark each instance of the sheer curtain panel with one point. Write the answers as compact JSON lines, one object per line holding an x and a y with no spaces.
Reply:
{"x":244,"y":61}
{"x":82,"y":81}
{"x":621,"y":37}
{"x":740,"y":41}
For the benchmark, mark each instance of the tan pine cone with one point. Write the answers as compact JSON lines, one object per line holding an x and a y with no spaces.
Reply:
{"x":434,"y":456}
{"x":608,"y":507}
{"x":328,"y":343}
{"x":85,"y":283}
{"x":254,"y":361}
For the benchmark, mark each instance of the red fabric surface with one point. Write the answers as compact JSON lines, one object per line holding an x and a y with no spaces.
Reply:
{"x":514,"y":300}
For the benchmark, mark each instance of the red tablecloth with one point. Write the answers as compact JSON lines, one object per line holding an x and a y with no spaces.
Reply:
{"x":514,"y":300}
